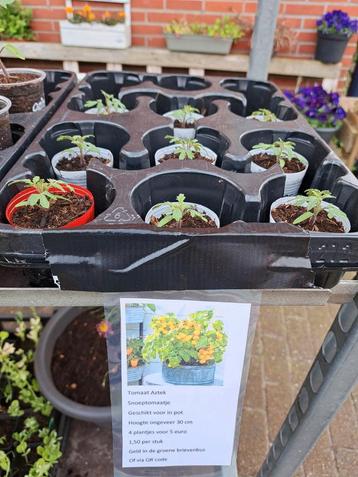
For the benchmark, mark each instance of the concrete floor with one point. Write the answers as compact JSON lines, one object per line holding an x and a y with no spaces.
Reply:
{"x":286,"y":341}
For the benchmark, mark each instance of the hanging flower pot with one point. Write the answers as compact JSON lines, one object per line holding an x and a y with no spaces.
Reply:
{"x":293,"y":165}
{"x":310,"y":212}
{"x":41,"y":206}
{"x":334,"y":30}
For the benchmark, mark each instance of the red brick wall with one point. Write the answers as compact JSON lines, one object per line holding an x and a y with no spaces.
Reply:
{"x":149,"y":16}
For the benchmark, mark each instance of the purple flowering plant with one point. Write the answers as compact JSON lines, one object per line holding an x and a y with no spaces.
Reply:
{"x":322,"y":109}
{"x":337,"y":21}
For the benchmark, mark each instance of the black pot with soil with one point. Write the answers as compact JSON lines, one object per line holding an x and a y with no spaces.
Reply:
{"x":331,"y":46}
{"x":74,"y":377}
{"x":133,"y":255}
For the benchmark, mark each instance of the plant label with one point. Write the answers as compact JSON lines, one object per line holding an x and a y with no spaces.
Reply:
{"x":182,"y":367}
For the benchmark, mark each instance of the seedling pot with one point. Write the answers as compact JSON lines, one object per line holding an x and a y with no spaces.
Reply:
{"x":185,"y":133}
{"x":135,"y":374}
{"x":157,"y":212}
{"x":293,"y":181}
{"x":78,"y":177}
{"x":330,"y":47}
{"x":289,"y":200}
{"x":199,"y":44}
{"x":261,"y":119}
{"x":189,"y":375}
{"x":204,"y":151}
{"x":43,"y":361}
{"x":5,"y":129}
{"x":25,"y":96}
{"x":25,"y":194}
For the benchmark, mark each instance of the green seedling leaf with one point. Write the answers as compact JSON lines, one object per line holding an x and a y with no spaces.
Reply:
{"x":303,"y":217}
{"x":13,"y":50}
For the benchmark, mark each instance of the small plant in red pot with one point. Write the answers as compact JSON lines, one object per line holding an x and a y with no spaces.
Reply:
{"x":181,"y":214}
{"x":311,"y":212}
{"x":50,"y":204}
{"x":23,"y":86}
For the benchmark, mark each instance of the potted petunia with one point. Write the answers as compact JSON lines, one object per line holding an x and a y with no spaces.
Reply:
{"x":181,"y":214}
{"x":83,"y":28}
{"x":184,"y":149}
{"x":189,"y":349}
{"x":70,"y":165}
{"x":334,"y":30}
{"x":311,"y":212}
{"x":135,"y":362}
{"x":215,"y":38}
{"x":50,"y":204}
{"x":263,"y":156}
{"x":321,"y":109}
{"x":184,"y":121}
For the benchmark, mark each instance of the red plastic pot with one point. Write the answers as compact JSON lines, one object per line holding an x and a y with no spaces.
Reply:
{"x":81,"y":191}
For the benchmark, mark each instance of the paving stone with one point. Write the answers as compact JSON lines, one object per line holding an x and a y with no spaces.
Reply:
{"x":298,"y":338}
{"x":320,"y":319}
{"x":276,"y":360}
{"x":254,"y":397}
{"x":253,"y":444}
{"x":272,"y":322}
{"x":347,"y":462}
{"x":344,"y":427}
{"x":278,"y":401}
{"x":321,"y":460}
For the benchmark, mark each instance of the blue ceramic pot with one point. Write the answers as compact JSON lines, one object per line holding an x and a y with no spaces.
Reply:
{"x":135,"y":374}
{"x":189,"y":375}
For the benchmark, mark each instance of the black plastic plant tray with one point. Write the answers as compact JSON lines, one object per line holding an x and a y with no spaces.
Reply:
{"x":25,"y":126}
{"x":119,"y":252}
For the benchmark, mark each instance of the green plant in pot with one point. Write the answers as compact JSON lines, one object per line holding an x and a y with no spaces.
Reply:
{"x":265,"y":155}
{"x":334,"y":29}
{"x":32,"y":446}
{"x":24,"y":87}
{"x":109,"y":106}
{"x":184,"y":149}
{"x":49,"y":204}
{"x":135,"y":361}
{"x":189,"y":349}
{"x":264,"y":115}
{"x":71,"y":163}
{"x":311,"y":212}
{"x":185,"y":120}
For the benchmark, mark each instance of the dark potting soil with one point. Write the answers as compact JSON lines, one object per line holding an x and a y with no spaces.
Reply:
{"x":75,"y":164}
{"x":197,"y":156}
{"x":79,"y":364}
{"x":57,"y":215}
{"x":188,"y":221}
{"x":268,"y":160}
{"x":18,"y":78}
{"x":289,"y":213}
{"x":186,"y":125}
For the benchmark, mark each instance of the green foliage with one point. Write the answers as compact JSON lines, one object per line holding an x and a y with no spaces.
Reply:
{"x":134,"y":352}
{"x":283,"y":150}
{"x":111,"y":104}
{"x":185,"y":148}
{"x":83,"y":145}
{"x":15,"y":22}
{"x":183,"y":114}
{"x":14,"y":410}
{"x":312,"y":202}
{"x":43,"y":197}
{"x":226,"y":27}
{"x":265,"y":115}
{"x":5,"y":463}
{"x":177,"y":211}
{"x":197,"y":340}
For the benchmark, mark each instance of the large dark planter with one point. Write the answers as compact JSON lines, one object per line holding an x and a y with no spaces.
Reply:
{"x":328,"y":133}
{"x":330,"y":47}
{"x":43,"y":359}
{"x":189,"y":375}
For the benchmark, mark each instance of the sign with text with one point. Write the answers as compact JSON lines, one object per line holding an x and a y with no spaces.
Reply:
{"x":181,"y":384}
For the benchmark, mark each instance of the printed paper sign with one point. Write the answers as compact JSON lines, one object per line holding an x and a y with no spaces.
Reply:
{"x":181,"y":385}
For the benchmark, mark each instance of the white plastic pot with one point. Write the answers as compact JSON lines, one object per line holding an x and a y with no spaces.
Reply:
{"x":95,"y":35}
{"x":158,"y":211}
{"x":204,"y":151}
{"x":78,"y":177}
{"x":293,"y":180}
{"x":94,"y":111}
{"x":185,"y":133}
{"x":290,"y":200}
{"x":262,"y":119}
